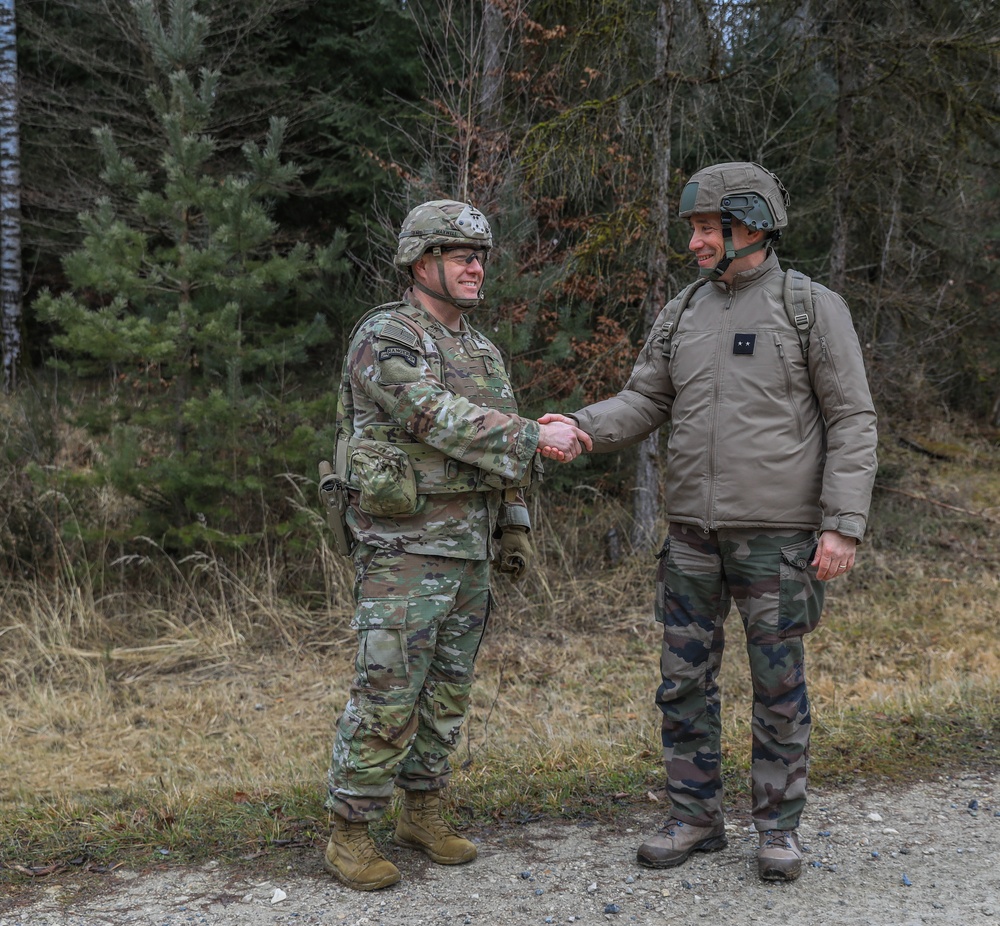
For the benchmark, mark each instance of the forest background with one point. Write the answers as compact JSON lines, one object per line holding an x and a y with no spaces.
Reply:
{"x":201,"y":198}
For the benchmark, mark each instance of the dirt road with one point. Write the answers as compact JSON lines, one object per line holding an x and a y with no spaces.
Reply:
{"x":926,"y":854}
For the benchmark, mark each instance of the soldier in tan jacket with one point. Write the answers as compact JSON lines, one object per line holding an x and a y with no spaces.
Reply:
{"x":770,"y":466}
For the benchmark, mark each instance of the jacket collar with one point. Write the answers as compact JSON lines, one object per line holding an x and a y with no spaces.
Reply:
{"x":412,"y":297}
{"x":749,"y":277}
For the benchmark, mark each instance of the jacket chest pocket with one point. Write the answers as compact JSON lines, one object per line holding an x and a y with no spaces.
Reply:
{"x":765,"y":368}
{"x":468,"y":362}
{"x":786,"y":356}
{"x":480,"y":356}
{"x":479,"y":376}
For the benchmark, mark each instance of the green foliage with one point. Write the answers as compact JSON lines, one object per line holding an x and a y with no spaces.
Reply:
{"x":83,"y":61}
{"x":890,"y":128}
{"x":572,"y":123}
{"x":881,"y":120}
{"x":359,"y":60}
{"x":150,"y":825}
{"x":182,"y":297}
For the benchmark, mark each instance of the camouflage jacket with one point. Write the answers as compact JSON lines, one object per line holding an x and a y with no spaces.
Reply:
{"x":445,"y":398}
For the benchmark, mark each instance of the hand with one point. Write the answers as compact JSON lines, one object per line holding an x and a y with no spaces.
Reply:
{"x":834,"y":555}
{"x":515,"y":552}
{"x":559,"y":438}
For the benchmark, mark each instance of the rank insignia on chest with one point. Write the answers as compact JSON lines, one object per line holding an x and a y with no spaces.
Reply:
{"x":744,"y":343}
{"x":387,"y":353}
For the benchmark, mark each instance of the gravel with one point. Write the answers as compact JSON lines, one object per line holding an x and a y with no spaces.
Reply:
{"x":928,"y":853}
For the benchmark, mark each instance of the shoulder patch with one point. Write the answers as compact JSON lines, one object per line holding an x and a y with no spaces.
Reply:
{"x":396,"y":331}
{"x":387,"y":353}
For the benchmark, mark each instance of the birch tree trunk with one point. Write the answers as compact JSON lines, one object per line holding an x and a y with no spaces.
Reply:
{"x":10,"y":198}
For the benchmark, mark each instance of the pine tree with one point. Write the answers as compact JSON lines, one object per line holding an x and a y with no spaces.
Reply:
{"x":182,"y":297}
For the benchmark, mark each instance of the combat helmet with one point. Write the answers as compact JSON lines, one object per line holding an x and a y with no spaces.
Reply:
{"x":740,"y":190}
{"x":437,"y":225}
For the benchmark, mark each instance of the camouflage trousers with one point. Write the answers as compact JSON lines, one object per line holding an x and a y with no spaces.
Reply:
{"x":420,"y":620}
{"x":768,"y":575}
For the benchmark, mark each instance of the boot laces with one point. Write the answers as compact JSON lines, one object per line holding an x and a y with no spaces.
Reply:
{"x":361,"y":845}
{"x":436,"y":822}
{"x":670,"y":826}
{"x":778,"y":839}
{"x":429,"y":813}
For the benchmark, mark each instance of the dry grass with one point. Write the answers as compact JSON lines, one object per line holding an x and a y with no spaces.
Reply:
{"x":201,"y":714}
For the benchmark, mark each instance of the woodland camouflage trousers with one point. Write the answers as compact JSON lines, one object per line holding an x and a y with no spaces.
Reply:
{"x":420,"y":620}
{"x":768,"y":575}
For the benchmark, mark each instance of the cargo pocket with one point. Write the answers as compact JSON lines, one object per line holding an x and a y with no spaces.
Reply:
{"x":801,"y":593}
{"x":388,"y":488}
{"x":382,"y":662}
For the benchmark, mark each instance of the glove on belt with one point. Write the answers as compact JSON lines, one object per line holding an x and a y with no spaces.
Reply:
{"x":515,"y":552}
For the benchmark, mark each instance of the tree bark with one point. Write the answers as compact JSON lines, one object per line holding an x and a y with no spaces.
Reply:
{"x":646,"y":500}
{"x":10,"y":198}
{"x":491,"y":82}
{"x":843,"y":141}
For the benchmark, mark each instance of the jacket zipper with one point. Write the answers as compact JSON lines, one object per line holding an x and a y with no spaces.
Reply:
{"x":714,"y":400}
{"x":789,"y":392}
{"x":825,"y":357}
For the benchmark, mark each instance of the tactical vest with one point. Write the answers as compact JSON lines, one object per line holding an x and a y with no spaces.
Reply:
{"x":468,"y":365}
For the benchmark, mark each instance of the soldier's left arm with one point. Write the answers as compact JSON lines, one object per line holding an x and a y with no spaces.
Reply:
{"x":837,"y":371}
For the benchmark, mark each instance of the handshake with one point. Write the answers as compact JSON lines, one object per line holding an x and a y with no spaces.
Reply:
{"x":559,"y":438}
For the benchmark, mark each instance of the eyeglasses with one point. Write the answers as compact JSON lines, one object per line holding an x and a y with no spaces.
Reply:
{"x":466,"y":255}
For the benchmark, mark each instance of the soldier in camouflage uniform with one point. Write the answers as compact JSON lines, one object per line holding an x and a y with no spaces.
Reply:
{"x":770,"y":467}
{"x":434,"y":457}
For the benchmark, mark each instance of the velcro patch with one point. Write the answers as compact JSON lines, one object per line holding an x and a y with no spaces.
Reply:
{"x":744,"y":343}
{"x":394,"y":330}
{"x":387,"y":353}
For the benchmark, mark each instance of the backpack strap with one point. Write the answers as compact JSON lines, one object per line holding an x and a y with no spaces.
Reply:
{"x":796,"y":294}
{"x":798,"y":299}
{"x":670,"y":325}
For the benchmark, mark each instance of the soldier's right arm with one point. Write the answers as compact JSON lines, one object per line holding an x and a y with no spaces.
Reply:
{"x":641,"y":407}
{"x":397,"y":377}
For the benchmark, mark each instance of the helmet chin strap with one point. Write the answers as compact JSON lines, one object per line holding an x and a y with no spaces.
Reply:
{"x":445,"y":296}
{"x":731,"y":253}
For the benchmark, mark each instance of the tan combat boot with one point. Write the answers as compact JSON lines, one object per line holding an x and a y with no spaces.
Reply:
{"x":779,"y":856}
{"x":676,"y":840}
{"x":422,"y":827}
{"x":353,"y":858}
